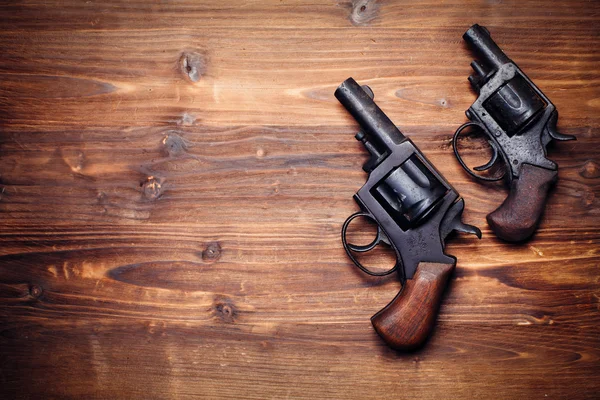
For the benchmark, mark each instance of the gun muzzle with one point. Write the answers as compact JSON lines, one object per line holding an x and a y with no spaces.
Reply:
{"x":486,"y":50}
{"x":373,"y":122}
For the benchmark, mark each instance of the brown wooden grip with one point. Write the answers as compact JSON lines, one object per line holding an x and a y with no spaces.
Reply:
{"x":406,"y":322}
{"x":518,"y":216}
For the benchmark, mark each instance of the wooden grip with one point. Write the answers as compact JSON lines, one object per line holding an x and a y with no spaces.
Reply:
{"x":406,"y":322}
{"x":518,"y":216}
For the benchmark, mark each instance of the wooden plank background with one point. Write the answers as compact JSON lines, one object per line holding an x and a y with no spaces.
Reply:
{"x":174,"y":176}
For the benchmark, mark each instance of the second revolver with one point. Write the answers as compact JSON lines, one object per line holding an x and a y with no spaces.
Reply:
{"x":519,"y":121}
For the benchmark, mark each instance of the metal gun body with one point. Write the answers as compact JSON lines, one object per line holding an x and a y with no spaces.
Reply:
{"x":417,"y":243}
{"x":413,"y":205}
{"x":524,"y":144}
{"x":516,"y":116}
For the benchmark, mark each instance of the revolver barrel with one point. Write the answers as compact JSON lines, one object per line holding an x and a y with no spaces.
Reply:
{"x":373,"y":122}
{"x":484,"y":47}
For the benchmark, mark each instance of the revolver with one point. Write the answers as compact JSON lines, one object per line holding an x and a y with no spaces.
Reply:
{"x":518,"y":121}
{"x":414,"y":208}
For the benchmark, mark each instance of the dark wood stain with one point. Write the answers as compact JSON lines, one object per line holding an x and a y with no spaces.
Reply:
{"x":174,"y":176}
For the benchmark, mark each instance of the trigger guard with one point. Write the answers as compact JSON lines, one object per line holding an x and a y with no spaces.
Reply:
{"x":492,"y":160}
{"x":461,"y":161}
{"x":350,"y":248}
{"x":357,"y":248}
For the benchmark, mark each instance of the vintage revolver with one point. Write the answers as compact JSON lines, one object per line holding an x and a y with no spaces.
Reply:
{"x":414,"y":208}
{"x":519,"y":122}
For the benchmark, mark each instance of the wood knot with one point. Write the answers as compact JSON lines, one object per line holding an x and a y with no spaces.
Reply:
{"x":260,"y":152}
{"x":590,"y":170}
{"x":187,"y":119}
{"x":212,"y":252}
{"x":101,"y":196}
{"x":224,"y":309}
{"x":74,"y":158}
{"x":446,"y":142}
{"x":363,"y":11}
{"x":193,"y":65}
{"x":173,"y":145}
{"x":588,"y":197}
{"x":152,"y":188}
{"x":35,"y":291}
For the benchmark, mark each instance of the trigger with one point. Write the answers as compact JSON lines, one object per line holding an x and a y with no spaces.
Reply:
{"x":380,"y":238}
{"x":492,"y":160}
{"x":384,"y":239}
{"x":362,"y":249}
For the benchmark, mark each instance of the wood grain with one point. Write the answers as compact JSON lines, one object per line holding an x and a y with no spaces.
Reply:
{"x":174,"y":176}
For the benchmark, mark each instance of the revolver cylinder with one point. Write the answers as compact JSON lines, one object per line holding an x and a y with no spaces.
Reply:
{"x":409,"y":192}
